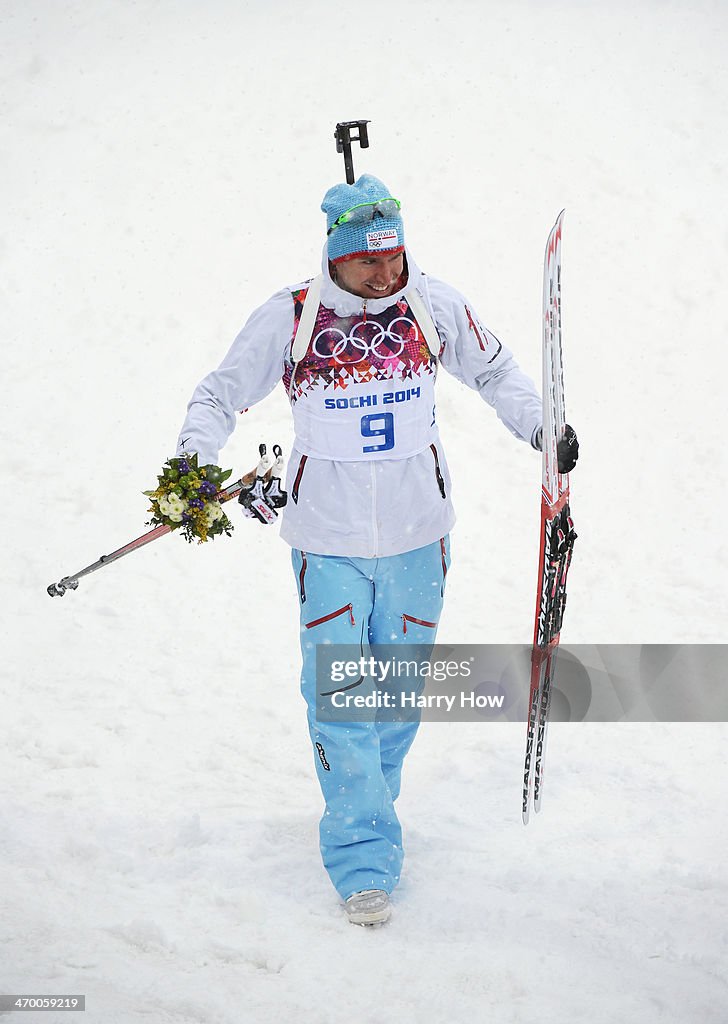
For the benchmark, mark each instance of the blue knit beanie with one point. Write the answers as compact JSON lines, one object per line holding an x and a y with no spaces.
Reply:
{"x":381,"y":234}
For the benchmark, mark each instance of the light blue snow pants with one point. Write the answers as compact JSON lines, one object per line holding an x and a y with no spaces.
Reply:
{"x":391,"y":600}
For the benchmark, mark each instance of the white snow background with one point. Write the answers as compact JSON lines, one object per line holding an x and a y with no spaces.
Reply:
{"x":163,"y":165}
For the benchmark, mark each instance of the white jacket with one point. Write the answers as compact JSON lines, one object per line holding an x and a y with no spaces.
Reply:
{"x":367,"y":508}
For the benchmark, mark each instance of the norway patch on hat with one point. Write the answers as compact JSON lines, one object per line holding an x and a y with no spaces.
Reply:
{"x":386,"y":239}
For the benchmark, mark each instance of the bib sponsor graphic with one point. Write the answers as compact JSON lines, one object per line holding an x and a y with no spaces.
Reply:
{"x":388,"y":239}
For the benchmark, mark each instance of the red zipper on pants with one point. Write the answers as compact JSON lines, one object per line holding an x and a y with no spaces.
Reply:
{"x":420,"y":622}
{"x":332,"y":615}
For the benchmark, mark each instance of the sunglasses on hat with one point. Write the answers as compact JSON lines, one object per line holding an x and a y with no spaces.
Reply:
{"x":362,"y":213}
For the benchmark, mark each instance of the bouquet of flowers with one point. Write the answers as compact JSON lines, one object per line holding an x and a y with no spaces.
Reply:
{"x":187,"y":499}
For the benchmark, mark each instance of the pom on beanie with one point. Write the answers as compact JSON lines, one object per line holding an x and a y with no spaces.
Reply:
{"x":380,"y":234}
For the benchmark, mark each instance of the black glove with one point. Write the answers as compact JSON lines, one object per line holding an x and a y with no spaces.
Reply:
{"x":567,"y":450}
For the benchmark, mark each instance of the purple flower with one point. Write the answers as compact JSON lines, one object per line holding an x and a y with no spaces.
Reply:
{"x":183,"y":466}
{"x":185,"y":518}
{"x":207,"y":490}
{"x":195,"y":503}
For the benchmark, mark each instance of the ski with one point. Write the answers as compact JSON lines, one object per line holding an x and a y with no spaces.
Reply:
{"x":557,"y":533}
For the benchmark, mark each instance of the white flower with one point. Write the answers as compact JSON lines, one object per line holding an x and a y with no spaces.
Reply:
{"x":213,"y":511}
{"x":176,"y":517}
{"x":164,"y":506}
{"x":176,"y":505}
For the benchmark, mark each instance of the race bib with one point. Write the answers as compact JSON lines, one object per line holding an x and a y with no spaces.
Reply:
{"x":365,"y":387}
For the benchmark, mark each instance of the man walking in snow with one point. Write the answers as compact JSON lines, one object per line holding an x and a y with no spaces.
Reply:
{"x":369,"y":514}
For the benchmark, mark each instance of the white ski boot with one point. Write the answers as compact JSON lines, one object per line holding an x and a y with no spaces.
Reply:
{"x":369,"y":907}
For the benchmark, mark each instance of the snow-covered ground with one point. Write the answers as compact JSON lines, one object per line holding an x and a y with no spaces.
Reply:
{"x":163,"y":168}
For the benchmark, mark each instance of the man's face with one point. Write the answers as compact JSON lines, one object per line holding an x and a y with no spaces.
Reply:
{"x":371,"y":277}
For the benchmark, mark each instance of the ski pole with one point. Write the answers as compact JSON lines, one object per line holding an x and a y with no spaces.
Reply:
{"x":71,"y":582}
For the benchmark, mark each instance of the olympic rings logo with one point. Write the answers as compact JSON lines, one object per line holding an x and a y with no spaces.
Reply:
{"x":365,"y":339}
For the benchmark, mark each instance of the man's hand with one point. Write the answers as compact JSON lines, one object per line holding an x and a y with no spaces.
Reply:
{"x":567,"y":448}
